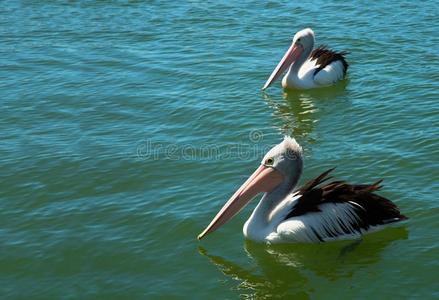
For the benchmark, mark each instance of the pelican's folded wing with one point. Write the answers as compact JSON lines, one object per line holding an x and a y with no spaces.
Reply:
{"x":337,"y":210}
{"x":331,"y":65}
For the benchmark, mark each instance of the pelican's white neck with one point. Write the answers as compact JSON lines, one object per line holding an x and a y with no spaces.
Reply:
{"x":293,"y":71}
{"x":293,"y":76}
{"x":260,"y":225}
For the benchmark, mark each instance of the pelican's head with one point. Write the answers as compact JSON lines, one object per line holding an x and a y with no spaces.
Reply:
{"x":285,"y":157}
{"x":302,"y":45}
{"x":304,"y":38}
{"x":281,"y":166}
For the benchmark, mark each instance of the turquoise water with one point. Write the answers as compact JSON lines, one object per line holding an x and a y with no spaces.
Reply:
{"x":125,"y":126}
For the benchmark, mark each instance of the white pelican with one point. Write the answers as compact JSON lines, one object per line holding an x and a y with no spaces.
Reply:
{"x":307,"y":68}
{"x":314,"y":213}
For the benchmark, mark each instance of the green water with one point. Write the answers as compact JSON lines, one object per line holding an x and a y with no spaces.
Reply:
{"x":126,"y":125}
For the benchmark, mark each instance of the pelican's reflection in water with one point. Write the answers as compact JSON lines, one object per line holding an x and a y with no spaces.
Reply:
{"x":300,"y":110}
{"x":296,"y":270}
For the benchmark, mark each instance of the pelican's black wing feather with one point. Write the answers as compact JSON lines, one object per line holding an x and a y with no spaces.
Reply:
{"x":371,"y":208}
{"x":326,"y":56}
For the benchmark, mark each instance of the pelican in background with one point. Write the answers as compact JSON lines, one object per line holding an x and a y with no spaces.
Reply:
{"x":309,"y":69}
{"x":316,"y":212}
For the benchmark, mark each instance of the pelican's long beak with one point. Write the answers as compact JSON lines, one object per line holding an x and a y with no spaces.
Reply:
{"x":264,"y":179}
{"x":290,"y":57}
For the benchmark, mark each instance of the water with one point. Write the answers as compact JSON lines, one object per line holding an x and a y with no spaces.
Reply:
{"x":125,"y":126}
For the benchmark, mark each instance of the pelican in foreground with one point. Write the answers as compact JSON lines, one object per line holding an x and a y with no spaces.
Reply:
{"x":308,"y":68}
{"x":316,"y":212}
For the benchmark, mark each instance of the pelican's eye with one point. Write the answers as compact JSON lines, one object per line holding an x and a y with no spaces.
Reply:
{"x":269,"y":162}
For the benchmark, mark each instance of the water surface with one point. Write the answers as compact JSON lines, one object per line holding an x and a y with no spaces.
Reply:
{"x":126,"y":125}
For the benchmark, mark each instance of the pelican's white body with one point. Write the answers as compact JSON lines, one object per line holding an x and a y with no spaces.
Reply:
{"x":302,"y":77}
{"x":267,"y":224}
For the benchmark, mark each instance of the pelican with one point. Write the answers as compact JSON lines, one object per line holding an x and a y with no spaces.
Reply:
{"x":316,"y":212}
{"x":309,"y":69}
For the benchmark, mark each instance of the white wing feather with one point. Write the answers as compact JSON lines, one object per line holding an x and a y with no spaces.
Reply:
{"x":335,"y":221}
{"x":330,"y":74}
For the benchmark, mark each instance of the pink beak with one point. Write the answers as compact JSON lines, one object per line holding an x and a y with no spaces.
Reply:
{"x":289,"y":58}
{"x":264,"y":179}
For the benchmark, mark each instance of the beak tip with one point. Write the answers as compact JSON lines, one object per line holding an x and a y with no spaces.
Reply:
{"x":200,"y":236}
